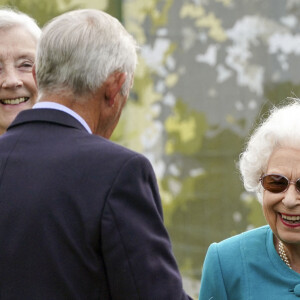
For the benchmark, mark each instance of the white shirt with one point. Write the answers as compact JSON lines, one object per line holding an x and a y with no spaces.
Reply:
{"x":54,"y":105}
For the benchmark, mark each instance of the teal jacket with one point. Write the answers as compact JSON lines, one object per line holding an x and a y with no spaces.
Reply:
{"x":247,"y":267}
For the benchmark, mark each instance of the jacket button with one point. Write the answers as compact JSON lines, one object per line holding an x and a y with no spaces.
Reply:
{"x":297,"y":290}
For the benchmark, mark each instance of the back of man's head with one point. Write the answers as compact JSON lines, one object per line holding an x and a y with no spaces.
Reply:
{"x":78,"y":50}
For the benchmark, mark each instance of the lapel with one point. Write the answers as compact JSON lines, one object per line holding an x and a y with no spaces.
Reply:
{"x":46,"y":115}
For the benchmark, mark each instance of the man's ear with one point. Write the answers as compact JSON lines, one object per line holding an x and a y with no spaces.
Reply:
{"x":34,"y":74}
{"x":114,"y":85}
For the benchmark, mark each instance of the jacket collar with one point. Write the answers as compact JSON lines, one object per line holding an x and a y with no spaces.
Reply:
{"x":46,"y":115}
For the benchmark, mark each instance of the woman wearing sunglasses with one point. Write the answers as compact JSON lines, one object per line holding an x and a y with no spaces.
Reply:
{"x":264,"y":263}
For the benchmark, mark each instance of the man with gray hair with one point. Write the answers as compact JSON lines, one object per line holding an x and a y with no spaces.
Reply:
{"x":80,"y":216}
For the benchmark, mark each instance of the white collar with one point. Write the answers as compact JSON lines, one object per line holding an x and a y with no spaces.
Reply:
{"x":54,"y":105}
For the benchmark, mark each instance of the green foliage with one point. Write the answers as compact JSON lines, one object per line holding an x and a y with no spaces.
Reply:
{"x":255,"y":216}
{"x":208,"y":206}
{"x":41,"y":10}
{"x":186,"y":129}
{"x":276,"y":95}
{"x":159,"y":15}
{"x":115,"y":9}
{"x":138,"y":115}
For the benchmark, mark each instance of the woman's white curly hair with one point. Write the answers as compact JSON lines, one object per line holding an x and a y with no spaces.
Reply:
{"x":10,"y":18}
{"x":280,"y":129}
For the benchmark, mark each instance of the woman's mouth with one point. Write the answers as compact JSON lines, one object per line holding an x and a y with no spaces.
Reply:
{"x":15,"y":101}
{"x":290,"y":220}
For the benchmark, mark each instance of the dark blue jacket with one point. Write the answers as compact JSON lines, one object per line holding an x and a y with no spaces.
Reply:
{"x":80,"y":217}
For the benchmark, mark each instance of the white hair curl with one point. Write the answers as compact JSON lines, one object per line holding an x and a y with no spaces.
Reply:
{"x":10,"y":18}
{"x":280,"y":129}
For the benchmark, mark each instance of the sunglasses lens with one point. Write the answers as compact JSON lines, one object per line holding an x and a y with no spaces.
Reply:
{"x":275,"y":183}
{"x":298,"y":185}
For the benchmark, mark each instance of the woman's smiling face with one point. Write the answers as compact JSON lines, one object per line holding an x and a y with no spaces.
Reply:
{"x":17,"y":87}
{"x":282,"y":210}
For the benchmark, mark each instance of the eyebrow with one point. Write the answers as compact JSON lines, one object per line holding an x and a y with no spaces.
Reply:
{"x":27,"y":55}
{"x":22,"y":56}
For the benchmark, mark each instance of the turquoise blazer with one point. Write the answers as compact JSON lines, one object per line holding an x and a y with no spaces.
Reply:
{"x":247,"y":267}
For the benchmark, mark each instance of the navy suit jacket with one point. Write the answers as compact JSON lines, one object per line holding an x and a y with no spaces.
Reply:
{"x":80,"y":217}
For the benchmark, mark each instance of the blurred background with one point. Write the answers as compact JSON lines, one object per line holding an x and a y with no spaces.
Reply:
{"x":208,"y":72}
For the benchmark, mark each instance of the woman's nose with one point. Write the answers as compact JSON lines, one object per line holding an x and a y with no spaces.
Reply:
{"x":9,"y":79}
{"x":291,"y":197}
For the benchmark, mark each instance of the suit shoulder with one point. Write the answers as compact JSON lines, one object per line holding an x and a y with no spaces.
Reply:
{"x":98,"y":148}
{"x":98,"y":145}
{"x":97,"y":141}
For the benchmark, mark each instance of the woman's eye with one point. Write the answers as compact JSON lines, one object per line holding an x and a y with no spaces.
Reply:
{"x":27,"y":68}
{"x":27,"y":65}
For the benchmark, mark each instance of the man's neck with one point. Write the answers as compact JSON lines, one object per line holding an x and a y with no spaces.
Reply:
{"x":76,"y":104}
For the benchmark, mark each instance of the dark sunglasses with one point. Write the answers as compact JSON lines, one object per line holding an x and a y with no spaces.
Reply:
{"x":276,"y":183}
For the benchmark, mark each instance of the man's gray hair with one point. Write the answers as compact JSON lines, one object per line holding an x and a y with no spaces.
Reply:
{"x":78,"y":50}
{"x":10,"y":18}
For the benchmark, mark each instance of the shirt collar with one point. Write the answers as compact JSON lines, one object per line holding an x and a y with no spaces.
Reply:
{"x":54,"y":105}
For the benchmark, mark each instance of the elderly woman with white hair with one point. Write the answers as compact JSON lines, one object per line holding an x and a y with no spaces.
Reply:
{"x":19,"y":35}
{"x":264,"y":263}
